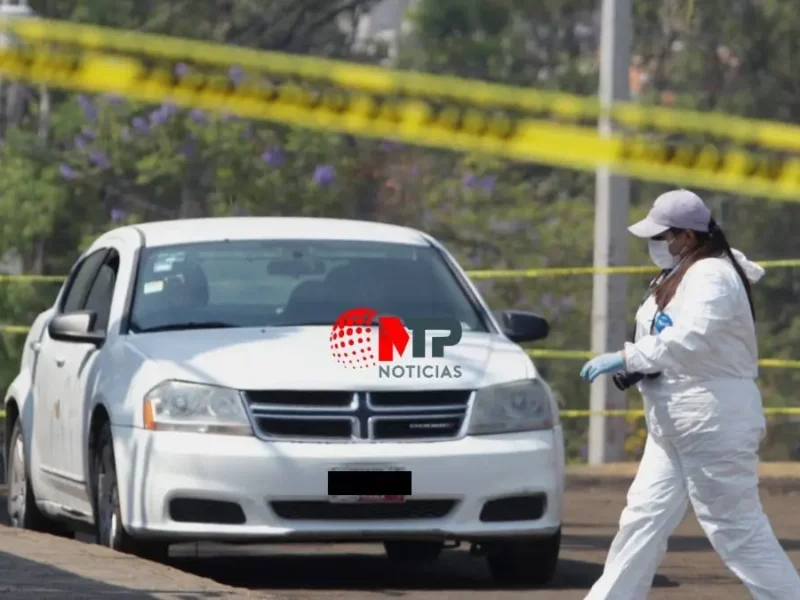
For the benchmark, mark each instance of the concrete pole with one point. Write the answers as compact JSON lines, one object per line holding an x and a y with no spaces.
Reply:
{"x":11,"y":93}
{"x":610,"y":320}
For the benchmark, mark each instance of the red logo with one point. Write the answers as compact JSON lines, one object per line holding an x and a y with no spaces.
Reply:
{"x":353,"y":338}
{"x":353,"y":342}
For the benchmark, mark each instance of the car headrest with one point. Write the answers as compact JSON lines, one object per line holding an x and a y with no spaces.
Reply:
{"x":186,"y":285}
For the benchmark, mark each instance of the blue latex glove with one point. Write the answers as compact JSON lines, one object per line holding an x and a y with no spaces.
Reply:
{"x":605,"y":363}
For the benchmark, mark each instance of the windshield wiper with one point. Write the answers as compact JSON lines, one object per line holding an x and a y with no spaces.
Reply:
{"x":188,"y":325}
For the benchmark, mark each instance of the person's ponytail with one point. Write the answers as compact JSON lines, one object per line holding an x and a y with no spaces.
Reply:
{"x":719,"y":240}
{"x":711,"y":244}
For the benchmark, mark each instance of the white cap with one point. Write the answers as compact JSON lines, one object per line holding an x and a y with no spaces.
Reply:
{"x":679,"y":209}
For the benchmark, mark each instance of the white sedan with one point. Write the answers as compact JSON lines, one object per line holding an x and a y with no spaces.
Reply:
{"x":244,"y":380}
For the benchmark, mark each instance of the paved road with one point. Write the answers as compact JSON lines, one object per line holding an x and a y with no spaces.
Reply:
{"x":691,"y":570}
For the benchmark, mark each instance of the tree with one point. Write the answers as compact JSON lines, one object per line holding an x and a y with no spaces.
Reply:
{"x":105,"y":161}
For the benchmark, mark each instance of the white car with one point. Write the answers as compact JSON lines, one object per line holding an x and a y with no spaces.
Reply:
{"x":191,"y":383}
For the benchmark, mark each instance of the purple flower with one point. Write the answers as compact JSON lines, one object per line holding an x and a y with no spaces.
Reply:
{"x":324,"y":175}
{"x":140,"y":126}
{"x":68,"y":172}
{"x":474,"y":260}
{"x":188,"y":148}
{"x":274,"y":157}
{"x":88,"y":108}
{"x":114,"y":99}
{"x":487,"y":183}
{"x":88,"y":134}
{"x":470,"y":180}
{"x":236,"y":75}
{"x":390,"y":146}
{"x":181,"y":69}
{"x":198,"y":116}
{"x":414,"y":172}
{"x":503,"y":226}
{"x":80,"y":142}
{"x":161,"y":115}
{"x":117,"y":215}
{"x":99,"y":159}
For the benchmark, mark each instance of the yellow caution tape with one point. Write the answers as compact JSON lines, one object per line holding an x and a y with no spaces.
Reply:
{"x":573,"y":271}
{"x":4,"y":278}
{"x":377,"y":80}
{"x":775,"y":363}
{"x":770,"y":363}
{"x":504,"y":273}
{"x":577,"y":414}
{"x":15,"y":329}
{"x":415,"y":120}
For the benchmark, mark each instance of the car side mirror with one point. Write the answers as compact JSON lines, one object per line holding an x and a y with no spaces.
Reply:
{"x":520,"y":326}
{"x":77,"y":328}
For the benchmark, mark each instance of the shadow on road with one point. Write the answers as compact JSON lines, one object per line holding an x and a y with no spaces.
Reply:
{"x":23,"y":578}
{"x":267,"y":568}
{"x":682,"y":543}
{"x":455,"y":571}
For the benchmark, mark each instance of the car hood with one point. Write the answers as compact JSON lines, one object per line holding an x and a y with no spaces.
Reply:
{"x":301,"y":358}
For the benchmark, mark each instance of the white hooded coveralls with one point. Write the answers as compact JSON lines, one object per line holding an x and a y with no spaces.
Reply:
{"x":705,"y":422}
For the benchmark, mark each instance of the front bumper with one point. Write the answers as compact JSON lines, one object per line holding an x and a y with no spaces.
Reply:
{"x":281,"y":488}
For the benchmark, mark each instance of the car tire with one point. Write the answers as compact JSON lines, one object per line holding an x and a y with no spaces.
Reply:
{"x":109,"y":530}
{"x":417,"y":551}
{"x":21,"y":501}
{"x":530,"y":561}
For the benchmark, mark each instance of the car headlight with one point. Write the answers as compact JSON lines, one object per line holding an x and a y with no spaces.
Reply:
{"x":509,"y":407}
{"x":183,"y":406}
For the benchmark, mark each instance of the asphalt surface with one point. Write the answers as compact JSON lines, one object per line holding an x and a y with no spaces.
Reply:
{"x":361,"y":572}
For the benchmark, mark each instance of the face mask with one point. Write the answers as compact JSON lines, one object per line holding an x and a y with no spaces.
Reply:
{"x":660,"y":254}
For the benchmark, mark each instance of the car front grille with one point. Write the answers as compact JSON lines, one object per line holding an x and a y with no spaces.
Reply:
{"x":310,"y":510}
{"x":359,"y":416}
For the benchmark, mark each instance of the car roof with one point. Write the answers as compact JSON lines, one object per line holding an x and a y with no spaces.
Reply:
{"x":183,"y":231}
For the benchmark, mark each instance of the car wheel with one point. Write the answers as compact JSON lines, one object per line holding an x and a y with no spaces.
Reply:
{"x":109,"y":530}
{"x":22,"y":510}
{"x":524,"y":562}
{"x":413,"y":550}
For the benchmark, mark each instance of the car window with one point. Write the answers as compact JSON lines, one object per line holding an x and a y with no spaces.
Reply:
{"x":78,"y":286}
{"x":102,"y":292}
{"x":284,"y":283}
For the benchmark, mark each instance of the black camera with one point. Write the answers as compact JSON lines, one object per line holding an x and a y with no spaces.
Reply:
{"x":625,"y":380}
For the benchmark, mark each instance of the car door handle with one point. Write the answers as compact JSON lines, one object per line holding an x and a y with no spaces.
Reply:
{"x":60,"y":362}
{"x":35,"y":346}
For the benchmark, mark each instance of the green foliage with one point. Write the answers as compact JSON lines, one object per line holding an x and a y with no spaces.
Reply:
{"x":91,"y":164}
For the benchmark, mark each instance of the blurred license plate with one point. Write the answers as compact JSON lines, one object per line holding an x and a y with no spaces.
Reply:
{"x":367,"y":499}
{"x":369,"y":485}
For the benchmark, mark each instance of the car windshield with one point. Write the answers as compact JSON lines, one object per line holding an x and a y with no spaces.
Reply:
{"x":287,"y":283}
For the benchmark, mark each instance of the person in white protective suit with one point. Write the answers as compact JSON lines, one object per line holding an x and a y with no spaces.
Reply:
{"x":695,"y":356}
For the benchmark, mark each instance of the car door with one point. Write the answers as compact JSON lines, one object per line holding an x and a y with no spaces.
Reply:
{"x":57,"y":363}
{"x":88,"y":363}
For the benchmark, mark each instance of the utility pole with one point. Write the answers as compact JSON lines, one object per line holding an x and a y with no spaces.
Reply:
{"x":612,"y":197}
{"x":11,"y":93}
